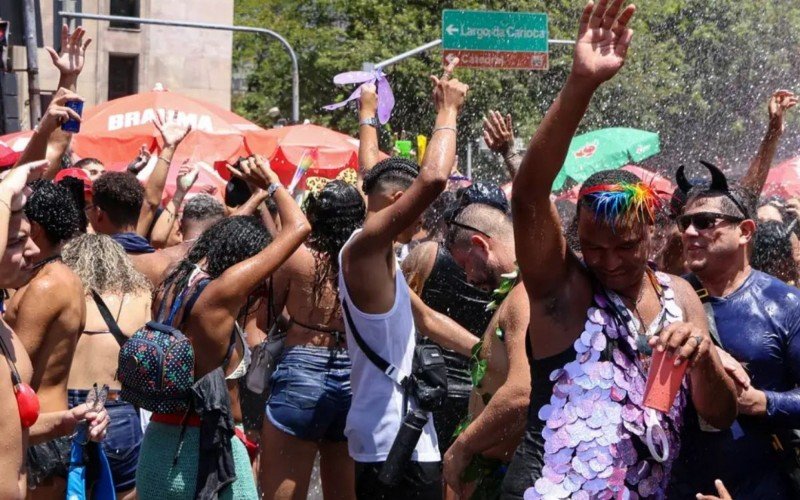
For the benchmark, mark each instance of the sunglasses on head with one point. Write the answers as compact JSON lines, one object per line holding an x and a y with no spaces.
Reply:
{"x":468,"y":227}
{"x":704,"y":220}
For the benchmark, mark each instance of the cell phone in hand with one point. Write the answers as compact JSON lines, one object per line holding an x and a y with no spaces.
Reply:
{"x":73,"y":125}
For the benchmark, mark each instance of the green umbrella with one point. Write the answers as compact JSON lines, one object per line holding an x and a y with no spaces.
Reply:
{"x":605,"y":149}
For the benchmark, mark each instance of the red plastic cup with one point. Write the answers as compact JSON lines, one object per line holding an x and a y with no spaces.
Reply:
{"x":663,"y":381}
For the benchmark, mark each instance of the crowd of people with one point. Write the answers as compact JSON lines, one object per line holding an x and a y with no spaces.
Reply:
{"x":426,"y":337}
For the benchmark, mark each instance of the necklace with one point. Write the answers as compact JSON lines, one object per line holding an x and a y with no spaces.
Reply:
{"x":46,"y":261}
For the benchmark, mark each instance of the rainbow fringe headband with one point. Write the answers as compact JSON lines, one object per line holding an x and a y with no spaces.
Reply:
{"x":624,"y":202}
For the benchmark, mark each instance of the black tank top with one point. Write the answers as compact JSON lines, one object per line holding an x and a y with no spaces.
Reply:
{"x":447,"y":291}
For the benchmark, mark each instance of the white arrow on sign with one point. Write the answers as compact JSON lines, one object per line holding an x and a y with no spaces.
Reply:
{"x":451,"y":30}
{"x":449,"y":58}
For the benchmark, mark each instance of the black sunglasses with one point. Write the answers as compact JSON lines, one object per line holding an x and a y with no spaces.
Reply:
{"x":704,"y":220}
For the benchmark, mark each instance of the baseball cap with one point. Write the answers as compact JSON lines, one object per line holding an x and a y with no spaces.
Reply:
{"x":77,"y":173}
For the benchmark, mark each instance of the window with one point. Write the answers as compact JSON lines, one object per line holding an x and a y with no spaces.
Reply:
{"x":127,"y":8}
{"x":123,"y":76}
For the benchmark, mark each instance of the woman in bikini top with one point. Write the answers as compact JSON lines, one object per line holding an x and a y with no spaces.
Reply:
{"x":315,"y":354}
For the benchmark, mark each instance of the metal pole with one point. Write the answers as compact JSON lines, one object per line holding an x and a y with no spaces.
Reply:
{"x":31,"y":43}
{"x":469,"y":159}
{"x":406,"y":55}
{"x":422,"y":48}
{"x":210,"y":26}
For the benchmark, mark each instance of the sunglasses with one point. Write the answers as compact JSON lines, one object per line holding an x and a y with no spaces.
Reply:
{"x":704,"y":220}
{"x":467,"y":226}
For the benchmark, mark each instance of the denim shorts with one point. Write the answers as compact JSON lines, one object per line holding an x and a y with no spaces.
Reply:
{"x":311,"y":393}
{"x":123,"y":439}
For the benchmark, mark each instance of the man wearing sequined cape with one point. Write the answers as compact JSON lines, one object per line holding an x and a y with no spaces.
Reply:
{"x":593,"y":322}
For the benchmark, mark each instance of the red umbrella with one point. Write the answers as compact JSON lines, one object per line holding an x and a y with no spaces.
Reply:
{"x":114,"y":131}
{"x":660,"y":183}
{"x":11,"y":147}
{"x":285,"y":147}
{"x":784,"y":179}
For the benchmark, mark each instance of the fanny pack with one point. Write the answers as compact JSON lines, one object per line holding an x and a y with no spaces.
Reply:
{"x":254,"y":387}
{"x":427,"y":382}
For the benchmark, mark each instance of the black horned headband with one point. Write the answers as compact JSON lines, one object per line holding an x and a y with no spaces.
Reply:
{"x":719,"y":183}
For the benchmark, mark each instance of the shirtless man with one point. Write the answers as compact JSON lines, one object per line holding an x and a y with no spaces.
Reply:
{"x":199,"y":214}
{"x":48,"y":320}
{"x":124,"y":210}
{"x":481,"y":240}
{"x":117,"y":200}
{"x":596,"y":324}
{"x":18,"y":250}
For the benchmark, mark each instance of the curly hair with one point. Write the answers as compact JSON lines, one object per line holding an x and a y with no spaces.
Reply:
{"x":225,"y":244}
{"x":52,"y":207}
{"x":103,"y":266}
{"x":120,"y":195}
{"x":334,"y":213}
{"x":394,"y":171}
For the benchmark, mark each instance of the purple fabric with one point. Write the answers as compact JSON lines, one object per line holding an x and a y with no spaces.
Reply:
{"x":596,"y":417}
{"x":385,"y":95}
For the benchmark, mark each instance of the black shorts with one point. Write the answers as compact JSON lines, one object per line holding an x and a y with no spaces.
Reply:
{"x":421,"y":481}
{"x":48,"y":460}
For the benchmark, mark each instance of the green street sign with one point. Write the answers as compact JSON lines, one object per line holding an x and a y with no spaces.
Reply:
{"x":494,"y":31}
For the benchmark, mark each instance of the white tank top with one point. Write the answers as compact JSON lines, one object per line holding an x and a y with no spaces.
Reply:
{"x":376,"y":411}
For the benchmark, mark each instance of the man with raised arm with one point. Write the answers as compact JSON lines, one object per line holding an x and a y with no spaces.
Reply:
{"x":481,"y":240}
{"x":594,"y":324}
{"x":387,"y":314}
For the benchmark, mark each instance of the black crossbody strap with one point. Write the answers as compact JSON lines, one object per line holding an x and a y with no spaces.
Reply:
{"x":387,"y":368}
{"x":705,"y":298}
{"x":113,"y":327}
{"x":698,"y":287}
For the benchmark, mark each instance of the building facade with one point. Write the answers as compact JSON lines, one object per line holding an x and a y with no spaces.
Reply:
{"x":125,"y":58}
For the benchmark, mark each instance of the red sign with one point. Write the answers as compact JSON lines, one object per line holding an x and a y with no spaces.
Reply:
{"x":492,"y":59}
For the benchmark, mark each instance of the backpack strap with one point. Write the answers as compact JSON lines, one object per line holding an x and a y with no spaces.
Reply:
{"x":381,"y":364}
{"x":113,"y":327}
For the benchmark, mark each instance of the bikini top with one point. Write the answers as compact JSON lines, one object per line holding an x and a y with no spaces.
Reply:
{"x":116,"y":320}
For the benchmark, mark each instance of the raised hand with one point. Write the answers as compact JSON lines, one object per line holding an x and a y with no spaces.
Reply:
{"x":780,"y":101}
{"x":140,"y":161}
{"x":171,"y":131}
{"x":449,"y":93}
{"x":57,"y":112}
{"x":256,"y":171}
{"x":369,"y":100}
{"x":13,"y":184}
{"x":73,"y":51}
{"x":498,"y":132}
{"x":187,"y":175}
{"x":603,"y":40}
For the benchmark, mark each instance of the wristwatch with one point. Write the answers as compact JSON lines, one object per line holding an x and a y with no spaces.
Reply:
{"x":369,"y":121}
{"x":272,"y":188}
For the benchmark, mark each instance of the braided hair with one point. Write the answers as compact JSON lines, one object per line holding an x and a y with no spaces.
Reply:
{"x":395,"y":171}
{"x":334,"y":213}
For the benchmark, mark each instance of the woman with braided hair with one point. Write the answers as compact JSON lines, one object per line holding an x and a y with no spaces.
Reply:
{"x":311,"y":395}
